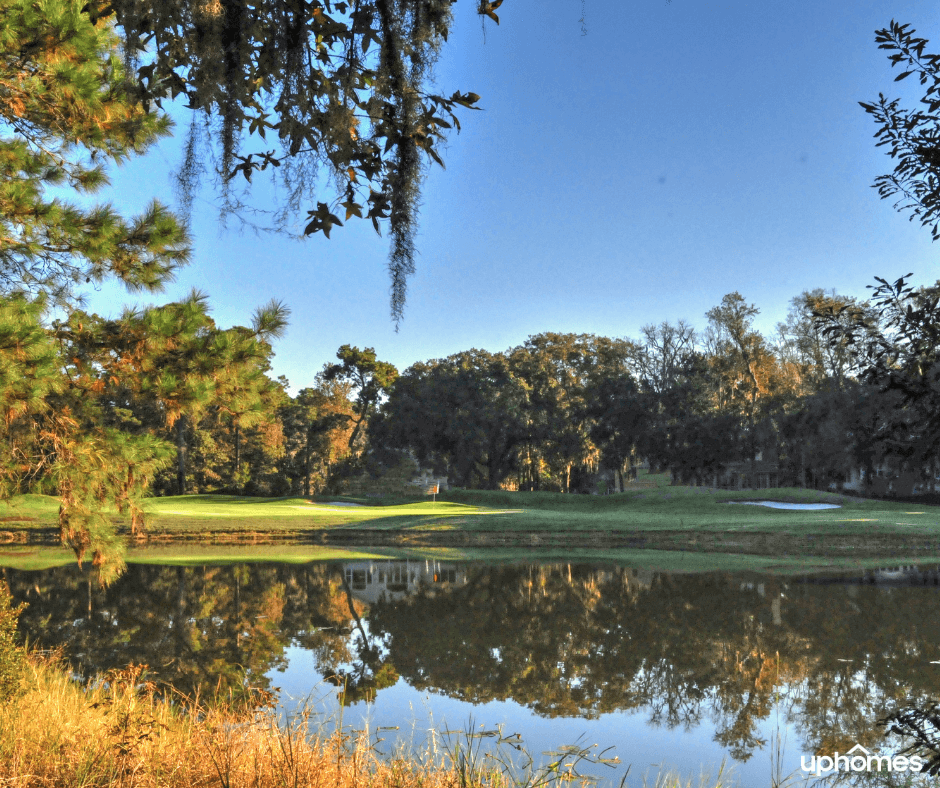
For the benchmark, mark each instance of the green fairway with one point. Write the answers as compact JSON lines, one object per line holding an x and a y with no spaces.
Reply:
{"x":703,"y":510}
{"x":222,"y":513}
{"x":25,"y":511}
{"x":656,"y":516}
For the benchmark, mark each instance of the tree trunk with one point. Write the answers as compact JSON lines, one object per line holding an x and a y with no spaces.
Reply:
{"x":307,"y":465}
{"x":181,"y":455}
{"x":356,"y":429}
{"x":237,"y":459}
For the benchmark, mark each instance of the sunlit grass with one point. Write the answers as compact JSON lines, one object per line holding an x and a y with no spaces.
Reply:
{"x":25,"y":511}
{"x":702,"y":509}
{"x":118,"y":731}
{"x":658,"y":508}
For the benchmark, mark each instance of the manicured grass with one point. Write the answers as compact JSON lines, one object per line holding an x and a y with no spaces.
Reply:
{"x":680,"y":521}
{"x":194,"y":514}
{"x":25,"y":511}
{"x":702,"y":510}
{"x":648,"y":510}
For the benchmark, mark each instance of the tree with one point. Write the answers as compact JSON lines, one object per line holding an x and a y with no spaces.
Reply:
{"x":912,"y":136}
{"x":370,"y":378}
{"x":620,"y":417}
{"x":903,"y":357}
{"x":189,"y":368}
{"x":686,"y":433}
{"x":898,"y":350}
{"x":737,"y":352}
{"x":663,"y":352}
{"x":67,"y":112}
{"x":28,"y":375}
{"x":744,"y":368}
{"x":317,"y":425}
{"x":558,"y":371}
{"x":323,"y":90}
{"x":467,"y":411}
{"x":820,"y":360}
{"x":246,"y":397}
{"x":85,"y":396}
{"x":65,"y":99}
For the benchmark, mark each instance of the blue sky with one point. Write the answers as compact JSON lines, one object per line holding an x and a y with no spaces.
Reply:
{"x":675,"y":153}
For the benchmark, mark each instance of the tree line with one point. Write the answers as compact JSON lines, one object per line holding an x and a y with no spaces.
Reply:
{"x":560,"y":412}
{"x":816,"y":398}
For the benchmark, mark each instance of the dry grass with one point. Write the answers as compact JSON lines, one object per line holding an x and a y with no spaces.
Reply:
{"x":120,"y":733}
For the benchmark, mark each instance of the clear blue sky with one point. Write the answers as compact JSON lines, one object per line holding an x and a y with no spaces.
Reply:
{"x":677,"y":152}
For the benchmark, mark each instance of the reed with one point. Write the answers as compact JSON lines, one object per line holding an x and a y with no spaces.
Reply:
{"x":118,"y":731}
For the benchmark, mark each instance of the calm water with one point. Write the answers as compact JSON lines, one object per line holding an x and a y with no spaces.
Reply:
{"x":687,"y":671}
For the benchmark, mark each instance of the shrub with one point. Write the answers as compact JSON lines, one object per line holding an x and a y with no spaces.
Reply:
{"x":12,"y":656}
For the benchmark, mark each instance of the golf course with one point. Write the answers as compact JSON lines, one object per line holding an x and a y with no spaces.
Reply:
{"x":656,"y":516}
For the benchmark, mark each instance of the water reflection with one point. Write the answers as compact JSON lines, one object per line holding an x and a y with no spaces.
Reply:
{"x":717,"y":652}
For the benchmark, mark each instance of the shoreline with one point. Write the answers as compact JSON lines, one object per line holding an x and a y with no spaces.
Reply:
{"x":756,"y":543}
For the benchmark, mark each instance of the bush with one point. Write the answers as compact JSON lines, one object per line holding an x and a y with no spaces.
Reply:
{"x":12,"y":656}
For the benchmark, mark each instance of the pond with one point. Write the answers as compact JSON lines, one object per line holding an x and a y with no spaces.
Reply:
{"x":684,"y":671}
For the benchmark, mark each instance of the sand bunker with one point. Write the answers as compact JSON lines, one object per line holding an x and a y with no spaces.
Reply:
{"x":780,"y":505}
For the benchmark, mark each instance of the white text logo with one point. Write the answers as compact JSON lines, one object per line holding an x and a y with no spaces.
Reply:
{"x":858,"y":759}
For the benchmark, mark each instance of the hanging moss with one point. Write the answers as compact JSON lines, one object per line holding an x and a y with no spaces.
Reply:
{"x":330,"y":97}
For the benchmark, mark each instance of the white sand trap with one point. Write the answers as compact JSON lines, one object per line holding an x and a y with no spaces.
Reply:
{"x":779,"y":505}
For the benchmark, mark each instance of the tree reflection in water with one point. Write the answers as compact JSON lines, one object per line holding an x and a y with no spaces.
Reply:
{"x":686,"y":650}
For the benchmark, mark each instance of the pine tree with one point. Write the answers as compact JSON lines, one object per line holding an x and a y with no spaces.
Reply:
{"x":65,"y":96}
{"x":68,"y":111}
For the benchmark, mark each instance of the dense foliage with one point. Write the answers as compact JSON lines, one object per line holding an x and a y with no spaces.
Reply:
{"x":87,"y":401}
{"x":578,"y":412}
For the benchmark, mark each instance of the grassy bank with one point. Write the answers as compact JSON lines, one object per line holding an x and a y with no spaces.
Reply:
{"x":644,"y":510}
{"x":119,"y":732}
{"x":657,"y":517}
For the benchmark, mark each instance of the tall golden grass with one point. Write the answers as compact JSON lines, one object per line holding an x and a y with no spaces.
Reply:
{"x":120,"y":733}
